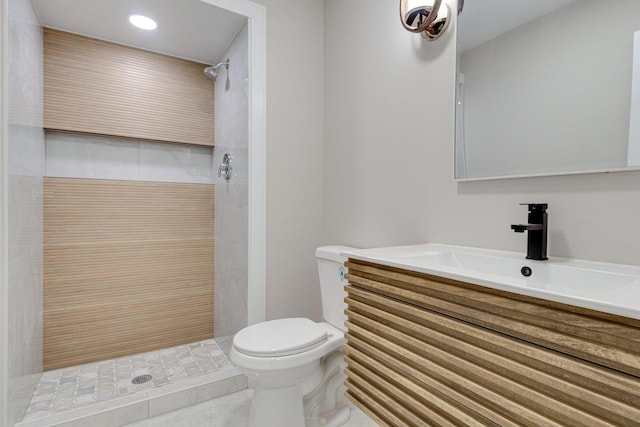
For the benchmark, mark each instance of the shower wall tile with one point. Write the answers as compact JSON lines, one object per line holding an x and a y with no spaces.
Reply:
{"x":26,"y":150}
{"x":80,"y":156}
{"x":232,"y":213}
{"x":177,"y":163}
{"x":231,"y":96}
{"x":100,"y":157}
{"x":231,"y":228}
{"x":26,"y":160}
{"x":230,"y":290}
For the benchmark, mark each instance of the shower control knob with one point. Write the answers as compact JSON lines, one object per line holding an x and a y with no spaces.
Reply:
{"x":225,"y":169}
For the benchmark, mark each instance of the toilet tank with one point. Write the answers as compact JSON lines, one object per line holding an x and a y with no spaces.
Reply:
{"x":332,"y":282}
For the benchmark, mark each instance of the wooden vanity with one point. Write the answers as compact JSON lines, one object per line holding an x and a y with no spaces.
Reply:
{"x":426,"y":350}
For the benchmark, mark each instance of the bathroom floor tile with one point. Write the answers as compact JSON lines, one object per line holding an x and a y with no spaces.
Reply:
{"x":231,"y":410}
{"x":79,"y":386}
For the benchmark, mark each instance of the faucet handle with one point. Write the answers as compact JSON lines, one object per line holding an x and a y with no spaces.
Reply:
{"x":536,"y":207}
{"x":519,"y":228}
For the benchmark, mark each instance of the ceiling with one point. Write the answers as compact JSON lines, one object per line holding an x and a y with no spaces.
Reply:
{"x":189,"y":29}
{"x":483,"y":20}
{"x":195,"y":30}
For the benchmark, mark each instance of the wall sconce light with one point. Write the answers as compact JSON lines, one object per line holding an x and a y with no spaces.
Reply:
{"x":430,"y":20}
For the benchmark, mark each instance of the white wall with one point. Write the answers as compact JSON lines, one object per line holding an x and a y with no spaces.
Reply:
{"x":294,"y":155}
{"x":388,"y":172}
{"x":25,"y":171}
{"x":388,"y":125}
{"x":232,"y":197}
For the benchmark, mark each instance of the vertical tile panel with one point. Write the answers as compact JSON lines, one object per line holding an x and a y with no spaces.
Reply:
{"x":97,"y":87}
{"x":24,"y":207}
{"x":128,"y":267}
{"x":232,"y":219}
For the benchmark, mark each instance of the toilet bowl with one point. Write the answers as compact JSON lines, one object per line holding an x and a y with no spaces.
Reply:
{"x":296,"y":365}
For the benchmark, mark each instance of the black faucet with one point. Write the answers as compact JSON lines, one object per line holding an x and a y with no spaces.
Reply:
{"x":537,"y":231}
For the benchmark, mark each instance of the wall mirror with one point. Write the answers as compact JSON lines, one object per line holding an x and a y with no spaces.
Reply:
{"x":547,"y":87}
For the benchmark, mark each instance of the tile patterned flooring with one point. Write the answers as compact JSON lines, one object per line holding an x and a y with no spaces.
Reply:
{"x":79,"y":386}
{"x":107,"y":384}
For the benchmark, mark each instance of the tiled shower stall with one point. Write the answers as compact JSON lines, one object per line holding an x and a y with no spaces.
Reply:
{"x":73,"y":156}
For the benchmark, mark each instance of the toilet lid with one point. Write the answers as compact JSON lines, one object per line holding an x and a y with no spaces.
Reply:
{"x":282,"y":337}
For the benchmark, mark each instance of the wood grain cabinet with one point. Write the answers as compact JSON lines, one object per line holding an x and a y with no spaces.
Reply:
{"x":96,"y":87}
{"x":424,"y":350}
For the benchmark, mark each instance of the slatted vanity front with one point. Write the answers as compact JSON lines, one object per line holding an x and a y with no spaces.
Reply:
{"x":424,"y":350}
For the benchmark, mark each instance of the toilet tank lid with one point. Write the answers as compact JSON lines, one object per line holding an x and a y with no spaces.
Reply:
{"x":332,"y":253}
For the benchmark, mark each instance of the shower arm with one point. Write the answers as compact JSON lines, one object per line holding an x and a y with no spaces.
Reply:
{"x":219,"y":64}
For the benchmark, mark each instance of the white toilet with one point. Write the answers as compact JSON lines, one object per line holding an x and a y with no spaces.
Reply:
{"x":296,"y":366}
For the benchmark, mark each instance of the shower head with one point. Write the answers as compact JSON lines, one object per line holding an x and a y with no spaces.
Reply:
{"x":212,"y":71}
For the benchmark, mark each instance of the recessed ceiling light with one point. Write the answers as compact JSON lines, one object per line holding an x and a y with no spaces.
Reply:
{"x":143,"y":22}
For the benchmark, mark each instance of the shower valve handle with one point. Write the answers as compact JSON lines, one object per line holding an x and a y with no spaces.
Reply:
{"x":225,"y":169}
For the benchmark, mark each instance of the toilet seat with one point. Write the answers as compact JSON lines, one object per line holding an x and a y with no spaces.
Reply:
{"x":282,"y":337}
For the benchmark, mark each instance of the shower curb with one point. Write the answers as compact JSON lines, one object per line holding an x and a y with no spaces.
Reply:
{"x":146,"y":404}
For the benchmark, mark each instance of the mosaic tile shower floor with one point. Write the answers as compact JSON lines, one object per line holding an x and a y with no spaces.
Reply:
{"x":66,"y":389}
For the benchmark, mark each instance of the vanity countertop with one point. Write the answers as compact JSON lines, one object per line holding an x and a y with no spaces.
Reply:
{"x":606,"y":287}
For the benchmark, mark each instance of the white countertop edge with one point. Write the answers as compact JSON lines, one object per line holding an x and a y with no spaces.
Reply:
{"x":494,"y":281}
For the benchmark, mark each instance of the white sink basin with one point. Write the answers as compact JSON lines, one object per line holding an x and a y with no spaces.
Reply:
{"x":612,"y":288}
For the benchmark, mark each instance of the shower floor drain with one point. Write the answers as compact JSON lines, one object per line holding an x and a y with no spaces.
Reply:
{"x":141,"y":379}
